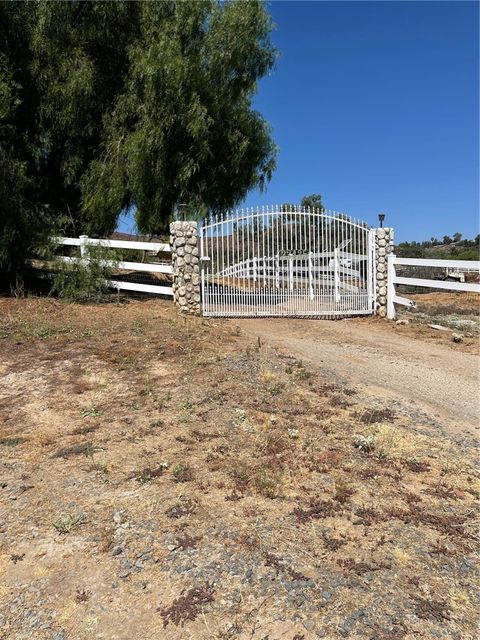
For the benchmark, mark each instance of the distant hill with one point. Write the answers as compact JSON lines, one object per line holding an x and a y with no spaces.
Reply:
{"x":118,"y":235}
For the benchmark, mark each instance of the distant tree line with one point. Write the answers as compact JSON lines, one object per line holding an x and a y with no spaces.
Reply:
{"x":448,"y":247}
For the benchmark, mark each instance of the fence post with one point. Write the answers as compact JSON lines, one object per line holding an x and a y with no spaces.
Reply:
{"x":383,"y":248}
{"x":186,"y":266}
{"x":390,"y":286}
{"x":83,"y":246}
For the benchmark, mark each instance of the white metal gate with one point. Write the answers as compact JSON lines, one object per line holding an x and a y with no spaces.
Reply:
{"x":286,"y":261}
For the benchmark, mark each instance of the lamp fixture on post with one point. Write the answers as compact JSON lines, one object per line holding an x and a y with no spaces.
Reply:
{"x":381,"y":218}
{"x":181,"y":209}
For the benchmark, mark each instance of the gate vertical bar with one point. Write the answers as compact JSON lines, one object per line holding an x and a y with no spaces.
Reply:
{"x":369,"y":270}
{"x":310,"y":277}
{"x":336,"y":279}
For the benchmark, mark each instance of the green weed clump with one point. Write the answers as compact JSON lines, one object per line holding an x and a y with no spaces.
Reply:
{"x":86,"y":279}
{"x":66,"y":522}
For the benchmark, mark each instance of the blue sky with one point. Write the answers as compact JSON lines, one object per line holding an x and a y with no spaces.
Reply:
{"x":375,"y":106}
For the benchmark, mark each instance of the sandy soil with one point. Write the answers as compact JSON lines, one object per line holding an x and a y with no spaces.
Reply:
{"x":386,"y":359}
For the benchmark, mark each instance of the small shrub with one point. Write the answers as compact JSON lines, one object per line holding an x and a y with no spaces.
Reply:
{"x":279,"y":565}
{"x":85,"y":280}
{"x":83,"y":448}
{"x":317,"y":509}
{"x":156,"y":424}
{"x":340,"y":401}
{"x":241,"y":475}
{"x":277,"y":388}
{"x":188,"y":542}
{"x":276,"y":443}
{"x":181,"y":509}
{"x":429,"y":609}
{"x":12,"y":442}
{"x":182,"y":473}
{"x":91,"y":412}
{"x":324,"y":461}
{"x":81,"y":431}
{"x":17,"y":557}
{"x":332,"y":544}
{"x":352,"y":566}
{"x":233,"y":496}
{"x":366,"y":444}
{"x":368,"y":516}
{"x":147,"y":474}
{"x":373,"y":416}
{"x":43,"y":333}
{"x":66,"y":522}
{"x":440,"y":549}
{"x":267,"y":484}
{"x":303,"y":374}
{"x":412,"y":498}
{"x":188,"y":605}
{"x":343,"y":491}
{"x":82,"y":595}
{"x":445,"y":490}
{"x":417,"y":466}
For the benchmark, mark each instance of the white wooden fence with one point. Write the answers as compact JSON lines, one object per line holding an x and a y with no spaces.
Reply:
{"x":458,"y":267}
{"x":148,"y":267}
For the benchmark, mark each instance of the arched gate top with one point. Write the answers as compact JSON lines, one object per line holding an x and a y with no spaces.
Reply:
{"x":292,"y":211}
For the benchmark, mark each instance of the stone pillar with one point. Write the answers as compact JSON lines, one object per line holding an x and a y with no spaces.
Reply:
{"x":383,"y":247}
{"x":186,"y":266}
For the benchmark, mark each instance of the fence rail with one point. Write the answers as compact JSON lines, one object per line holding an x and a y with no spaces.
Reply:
{"x":116,"y":244}
{"x":147,"y":267}
{"x":459,"y":266}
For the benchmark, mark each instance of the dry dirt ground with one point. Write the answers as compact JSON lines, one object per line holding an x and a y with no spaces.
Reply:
{"x":413,"y":366}
{"x":167,"y":479}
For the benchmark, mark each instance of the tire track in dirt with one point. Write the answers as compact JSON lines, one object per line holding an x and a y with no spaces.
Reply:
{"x":420,"y":375}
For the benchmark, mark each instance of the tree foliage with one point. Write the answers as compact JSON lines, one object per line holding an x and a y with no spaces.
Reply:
{"x":313,"y":202}
{"x":106,"y":106}
{"x":457,"y":249}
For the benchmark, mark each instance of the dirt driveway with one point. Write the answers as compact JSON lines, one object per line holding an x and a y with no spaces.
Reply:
{"x":429,"y":375}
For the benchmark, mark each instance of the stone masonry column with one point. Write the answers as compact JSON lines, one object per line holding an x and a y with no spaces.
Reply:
{"x":383,"y":247}
{"x":186,"y":266}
